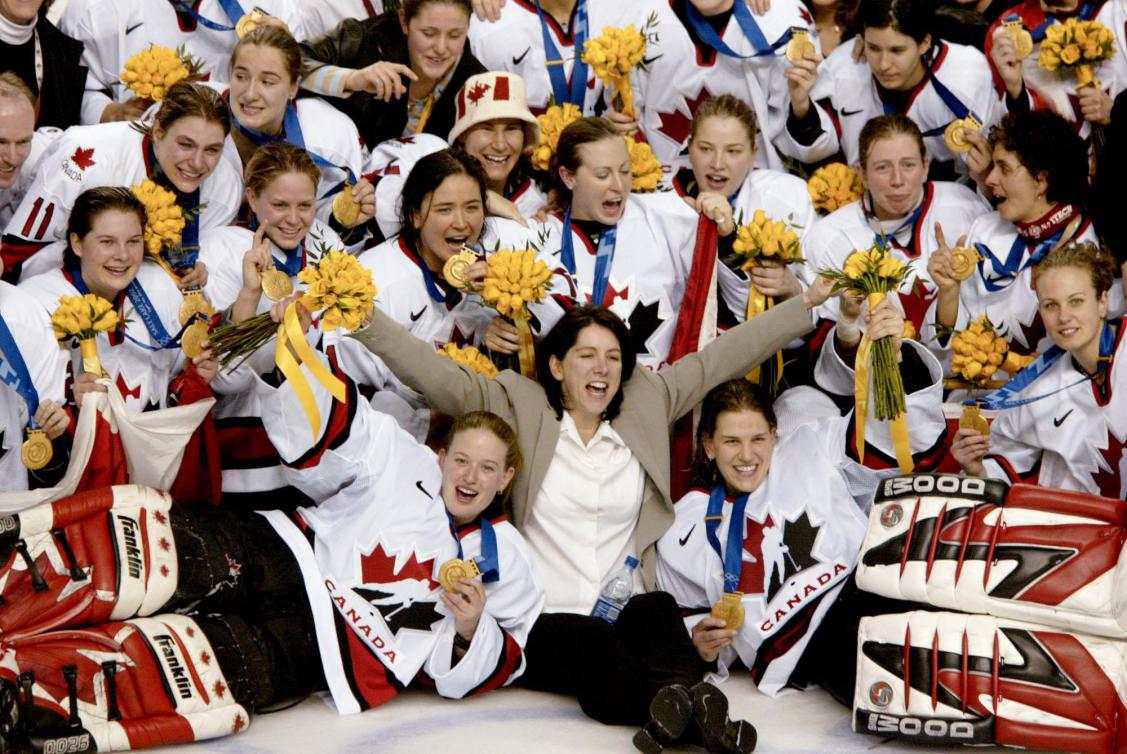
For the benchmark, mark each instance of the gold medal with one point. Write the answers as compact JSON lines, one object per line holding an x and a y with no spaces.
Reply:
{"x":451,"y":573}
{"x":730,"y":609}
{"x":955,"y":135}
{"x":966,"y":258}
{"x":454,"y":271}
{"x":248,"y":23}
{"x":191,"y":342}
{"x":276,"y":284}
{"x":36,"y":451}
{"x":972,"y":419}
{"x":194,"y":303}
{"x":1023,"y":40}
{"x":346,"y":209}
{"x":799,"y":45}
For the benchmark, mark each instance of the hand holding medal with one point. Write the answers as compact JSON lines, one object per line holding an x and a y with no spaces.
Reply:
{"x":355,"y":204}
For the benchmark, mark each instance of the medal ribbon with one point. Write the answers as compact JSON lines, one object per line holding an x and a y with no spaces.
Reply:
{"x":295,"y":258}
{"x":292,"y":134}
{"x":554,"y":60}
{"x":885,"y":240}
{"x":183,"y":258}
{"x":1013,"y":266}
{"x":232,"y":8}
{"x":1003,"y":396}
{"x":487,"y":562}
{"x":14,"y":373}
{"x":433,"y":289}
{"x":732,"y":556}
{"x":145,"y":308}
{"x":748,"y":26}
{"x":604,"y":258}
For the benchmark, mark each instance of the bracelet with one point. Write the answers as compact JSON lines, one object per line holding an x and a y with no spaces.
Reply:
{"x":460,"y":642}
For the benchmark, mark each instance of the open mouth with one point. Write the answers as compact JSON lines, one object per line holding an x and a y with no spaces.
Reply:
{"x":251,"y":110}
{"x":115,"y":271}
{"x":289,"y":233}
{"x":747,"y":471}
{"x":465,"y":495}
{"x":456,"y":242}
{"x":499,"y":161}
{"x":715,"y":182}
{"x":612,"y":206}
{"x":597,"y":390}
{"x":190,"y":176}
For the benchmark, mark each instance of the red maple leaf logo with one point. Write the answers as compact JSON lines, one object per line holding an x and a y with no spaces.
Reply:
{"x":1108,"y":481}
{"x":220,"y":689}
{"x":125,"y":390}
{"x":676,"y":124}
{"x":160,"y":517}
{"x":478,"y":91}
{"x":83,"y":158}
{"x":378,"y":567}
{"x":613,"y":293}
{"x":240,"y":723}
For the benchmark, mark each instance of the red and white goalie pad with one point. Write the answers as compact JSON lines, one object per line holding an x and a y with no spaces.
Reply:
{"x":975,"y":679}
{"x":96,"y":556}
{"x":1025,"y":552}
{"x":118,"y":686}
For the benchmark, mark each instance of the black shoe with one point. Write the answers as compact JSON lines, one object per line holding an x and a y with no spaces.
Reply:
{"x":719,"y":734}
{"x":671,"y":710}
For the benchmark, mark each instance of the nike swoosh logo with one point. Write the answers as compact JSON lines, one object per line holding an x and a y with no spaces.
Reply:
{"x":1060,"y":420}
{"x":415,"y":315}
{"x":517,"y":61}
{"x":133,"y":28}
{"x":685,"y":538}
{"x":847,"y":113}
{"x":423,"y":489}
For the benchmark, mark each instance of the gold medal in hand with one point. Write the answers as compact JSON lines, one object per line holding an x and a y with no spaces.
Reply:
{"x":730,"y":609}
{"x":191,"y":342}
{"x":276,"y":284}
{"x":36,"y":451}
{"x":972,"y":418}
{"x":346,"y":209}
{"x":454,"y":271}
{"x":966,"y":259}
{"x":451,"y":573}
{"x":248,"y":23}
{"x":799,"y":45}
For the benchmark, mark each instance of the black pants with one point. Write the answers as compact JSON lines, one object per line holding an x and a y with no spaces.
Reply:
{"x":613,"y":670}
{"x":241,"y":583}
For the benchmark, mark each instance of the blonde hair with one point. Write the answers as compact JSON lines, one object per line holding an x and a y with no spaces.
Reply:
{"x":726,"y":106}
{"x":502,"y":431}
{"x":277,"y":158}
{"x":1083,"y":255}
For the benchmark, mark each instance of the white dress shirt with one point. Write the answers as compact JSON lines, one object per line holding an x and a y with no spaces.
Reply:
{"x":581,"y":525}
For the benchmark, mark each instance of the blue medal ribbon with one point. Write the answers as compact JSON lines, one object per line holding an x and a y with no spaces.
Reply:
{"x":183,"y":257}
{"x":732,"y":556}
{"x":294,"y":261}
{"x":1003,"y":396}
{"x":433,"y":289}
{"x":1013,"y":266}
{"x":292,"y":134}
{"x":748,"y":26}
{"x":561,"y":93}
{"x":885,"y":240}
{"x":14,"y":373}
{"x":487,"y":562}
{"x":604,"y":258}
{"x":232,"y":8}
{"x":144,"y":307}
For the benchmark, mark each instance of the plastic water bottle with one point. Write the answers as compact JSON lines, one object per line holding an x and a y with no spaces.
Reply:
{"x":616,"y":592}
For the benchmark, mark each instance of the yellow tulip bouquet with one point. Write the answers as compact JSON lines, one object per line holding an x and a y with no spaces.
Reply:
{"x":150,"y":73}
{"x":833,"y":186}
{"x":874,"y":273}
{"x":81,"y":318}
{"x":552,"y":124}
{"x":468,"y":356}
{"x":644,"y":166}
{"x":1078,"y":45}
{"x":515,"y":278}
{"x":981,"y":352}
{"x":614,"y":55}
{"x":164,"y":219}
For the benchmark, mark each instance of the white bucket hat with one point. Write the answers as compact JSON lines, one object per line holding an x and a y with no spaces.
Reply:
{"x":493,"y":96}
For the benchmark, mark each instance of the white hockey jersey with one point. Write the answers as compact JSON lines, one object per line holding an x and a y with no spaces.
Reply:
{"x":652,"y":259}
{"x":130,"y":354}
{"x":319,"y":17}
{"x":851,"y":92}
{"x":109,"y":154}
{"x":387,"y":167}
{"x":1113,"y":15}
{"x":46,"y":365}
{"x":112,"y":31}
{"x":1073,"y":440}
{"x":10,"y":197}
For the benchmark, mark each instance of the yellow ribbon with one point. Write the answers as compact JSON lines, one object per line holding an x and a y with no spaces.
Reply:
{"x":624,"y":93}
{"x":757,"y":303}
{"x":425,"y":115}
{"x":527,"y":352}
{"x":898,"y":425}
{"x":1085,"y":76}
{"x":289,"y":333}
{"x":903,"y":447}
{"x":91,"y":363}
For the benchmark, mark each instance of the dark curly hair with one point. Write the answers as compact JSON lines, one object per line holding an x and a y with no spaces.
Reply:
{"x":734,"y":395}
{"x":1049,"y":149}
{"x":425,"y":178}
{"x":564,"y":335}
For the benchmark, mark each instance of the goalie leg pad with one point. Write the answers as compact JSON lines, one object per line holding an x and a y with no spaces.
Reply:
{"x":102,"y":555}
{"x":119,"y":686}
{"x":975,"y":679}
{"x":1029,"y":553}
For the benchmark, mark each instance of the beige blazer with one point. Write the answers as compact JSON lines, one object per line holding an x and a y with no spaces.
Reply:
{"x":652,"y":402}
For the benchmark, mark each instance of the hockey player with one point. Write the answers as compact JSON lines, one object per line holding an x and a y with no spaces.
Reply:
{"x":105,"y":255}
{"x":112,"y":31}
{"x":183,"y":150}
{"x":904,"y":70}
{"x":265,"y":75}
{"x":1039,"y":177}
{"x":901,"y":210}
{"x":22,"y":146}
{"x":628,"y":252}
{"x":495,"y":125}
{"x":1064,"y":423}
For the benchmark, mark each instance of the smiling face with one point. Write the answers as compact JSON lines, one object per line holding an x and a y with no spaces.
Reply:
{"x":17,"y":127}
{"x":436,"y":37}
{"x":894,"y":172}
{"x":721,"y":154}
{"x":111,"y":253}
{"x":286,"y":207}
{"x":497,"y":145}
{"x":189,"y":150}
{"x":1072,"y":311}
{"x":451,"y":216}
{"x":894,"y":58}
{"x":741,"y":446}
{"x":1021,"y":194}
{"x":590,"y":373}
{"x":473,"y":473}
{"x":600,"y":185}
{"x":22,"y":12}
{"x":261,"y":88}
